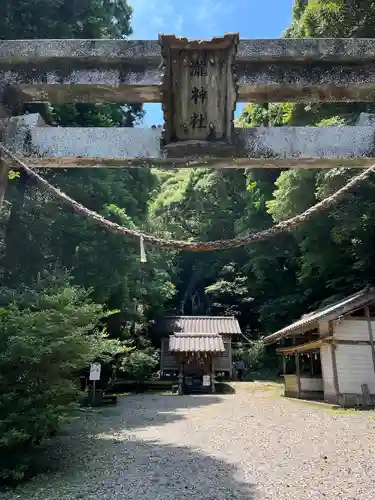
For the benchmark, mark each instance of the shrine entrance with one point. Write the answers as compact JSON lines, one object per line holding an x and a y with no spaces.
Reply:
{"x":199,"y":83}
{"x":198,"y":372}
{"x":196,"y":354}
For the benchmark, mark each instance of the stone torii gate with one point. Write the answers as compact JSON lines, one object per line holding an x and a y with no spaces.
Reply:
{"x":198,"y":84}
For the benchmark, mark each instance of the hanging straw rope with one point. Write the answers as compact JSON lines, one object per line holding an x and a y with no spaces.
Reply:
{"x":195,"y":246}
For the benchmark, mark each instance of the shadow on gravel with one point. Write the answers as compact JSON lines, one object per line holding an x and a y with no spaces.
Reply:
{"x":142,"y":410}
{"x":135,"y":470}
{"x":98,"y":460}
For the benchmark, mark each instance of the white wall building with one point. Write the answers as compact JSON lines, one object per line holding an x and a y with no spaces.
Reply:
{"x":329,"y":354}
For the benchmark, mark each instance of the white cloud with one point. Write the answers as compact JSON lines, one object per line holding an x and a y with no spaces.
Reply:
{"x":152,"y":16}
{"x":192,"y":19}
{"x":179,"y":24}
{"x":159,"y":22}
{"x":210,"y":11}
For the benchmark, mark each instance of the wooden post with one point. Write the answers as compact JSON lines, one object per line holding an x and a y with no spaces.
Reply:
{"x":298,"y":373}
{"x":284,"y":364}
{"x":93,"y":391}
{"x":334,"y":365}
{"x":180,"y":378}
{"x":298,"y":369}
{"x":283,"y":358}
{"x":312,"y":364}
{"x":230,"y":356}
{"x":162,"y":357}
{"x":371,"y":335}
{"x":213,"y":388}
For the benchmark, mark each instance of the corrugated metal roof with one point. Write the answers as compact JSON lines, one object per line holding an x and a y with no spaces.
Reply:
{"x":196,"y":343}
{"x":198,"y":324}
{"x":309,"y":321}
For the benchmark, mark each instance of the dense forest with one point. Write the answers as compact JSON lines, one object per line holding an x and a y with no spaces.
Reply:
{"x":271,"y":283}
{"x":63,"y":276}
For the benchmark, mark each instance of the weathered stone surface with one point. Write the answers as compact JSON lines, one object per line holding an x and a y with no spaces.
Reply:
{"x":366,"y":119}
{"x":102,"y":142}
{"x":17,"y":130}
{"x":14,"y":134}
{"x":141,"y":84}
{"x":306,"y":82}
{"x":99,"y":50}
{"x":268,"y":70}
{"x":59,"y":147}
{"x":60,"y":94}
{"x":309,"y":50}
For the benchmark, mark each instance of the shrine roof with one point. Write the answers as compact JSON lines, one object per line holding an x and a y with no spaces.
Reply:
{"x":333,"y":311}
{"x":202,"y":325}
{"x":196,"y":343}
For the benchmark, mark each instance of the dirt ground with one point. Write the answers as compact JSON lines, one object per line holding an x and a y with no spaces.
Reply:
{"x":249,"y":445}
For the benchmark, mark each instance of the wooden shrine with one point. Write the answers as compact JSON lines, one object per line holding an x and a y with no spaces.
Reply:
{"x":196,"y":349}
{"x":333,"y":351}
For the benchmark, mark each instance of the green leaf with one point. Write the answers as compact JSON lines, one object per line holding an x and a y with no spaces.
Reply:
{"x":251,"y":185}
{"x":12,"y":174}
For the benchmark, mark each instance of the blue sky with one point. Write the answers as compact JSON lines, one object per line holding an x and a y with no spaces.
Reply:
{"x":199,"y":19}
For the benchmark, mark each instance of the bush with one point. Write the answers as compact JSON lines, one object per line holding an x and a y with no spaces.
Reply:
{"x":47,"y":335}
{"x":140,"y":364}
{"x":253,"y":355}
{"x":259,"y":360}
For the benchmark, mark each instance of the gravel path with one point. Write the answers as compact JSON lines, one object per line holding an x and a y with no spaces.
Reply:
{"x":245,"y":446}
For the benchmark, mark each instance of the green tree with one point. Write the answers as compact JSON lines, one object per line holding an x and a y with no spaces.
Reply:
{"x":64,"y":19}
{"x":48,"y":334}
{"x":140,"y":364}
{"x":333,"y":18}
{"x":272,"y":283}
{"x":37,"y":231}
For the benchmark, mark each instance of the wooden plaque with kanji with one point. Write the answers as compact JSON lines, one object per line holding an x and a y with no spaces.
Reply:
{"x":199,"y":88}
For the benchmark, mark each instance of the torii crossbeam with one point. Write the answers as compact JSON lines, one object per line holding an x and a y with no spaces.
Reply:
{"x":198,"y":84}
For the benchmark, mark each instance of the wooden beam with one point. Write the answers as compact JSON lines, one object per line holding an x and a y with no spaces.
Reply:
{"x":310,"y":346}
{"x":351,"y":342}
{"x":194,"y":162}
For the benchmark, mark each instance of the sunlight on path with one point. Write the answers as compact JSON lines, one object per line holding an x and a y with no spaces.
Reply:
{"x":249,"y":445}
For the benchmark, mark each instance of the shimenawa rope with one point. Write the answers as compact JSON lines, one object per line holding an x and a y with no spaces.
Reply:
{"x":195,"y":246}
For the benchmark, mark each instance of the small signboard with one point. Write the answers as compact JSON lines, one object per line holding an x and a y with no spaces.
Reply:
{"x":95,"y":369}
{"x":199,"y":88}
{"x":206,"y":380}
